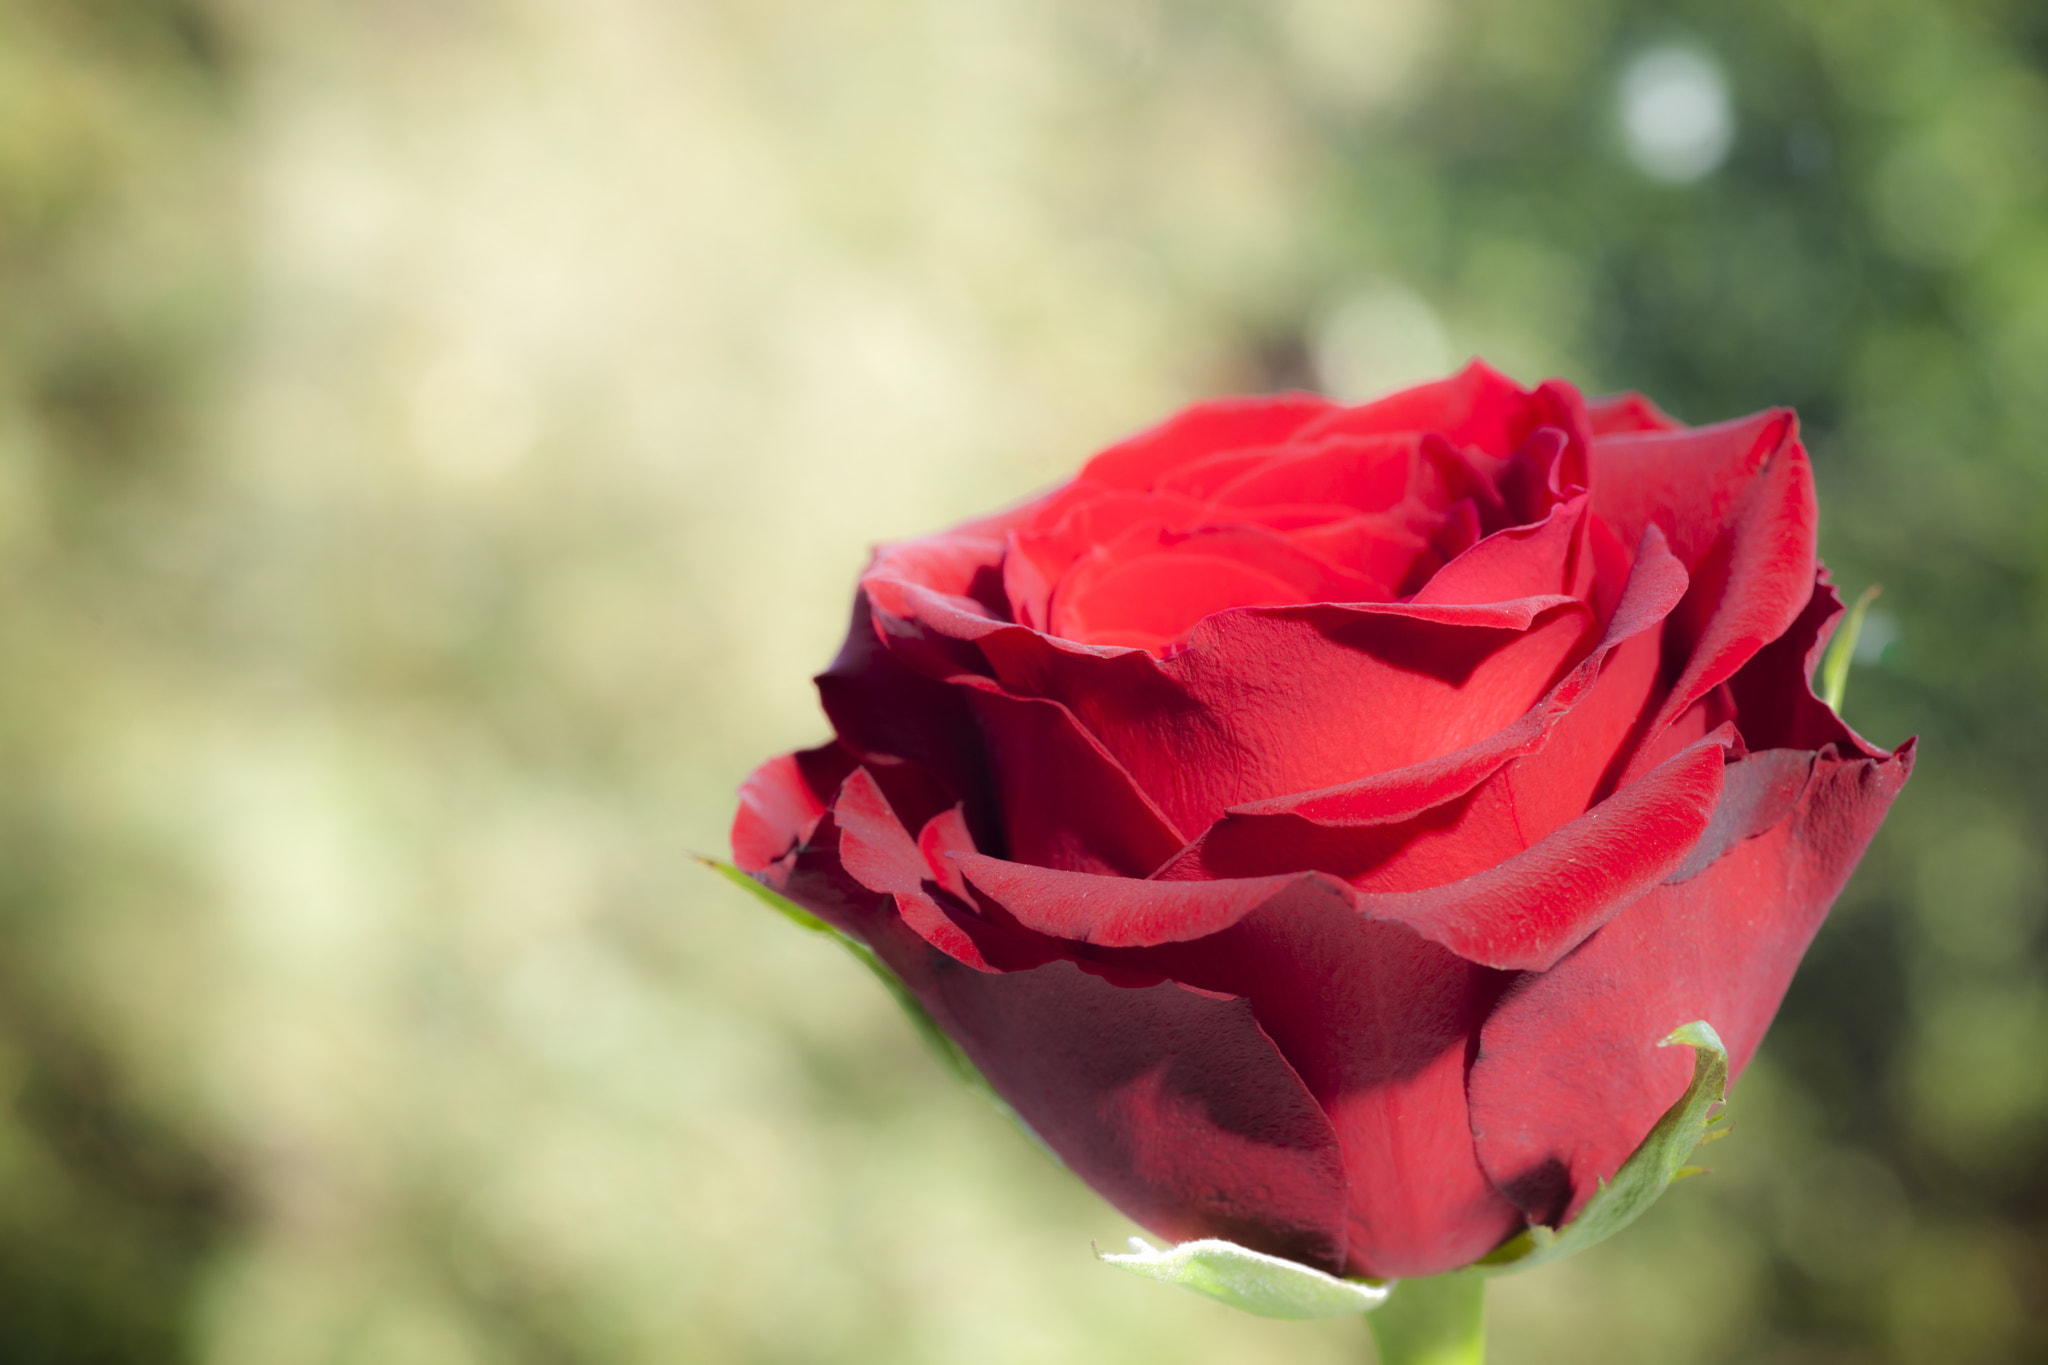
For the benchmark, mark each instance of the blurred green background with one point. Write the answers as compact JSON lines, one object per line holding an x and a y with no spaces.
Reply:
{"x":437,"y":439}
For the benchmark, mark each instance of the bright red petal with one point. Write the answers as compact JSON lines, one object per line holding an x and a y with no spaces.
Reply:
{"x":1267,"y":701}
{"x":1205,"y":429}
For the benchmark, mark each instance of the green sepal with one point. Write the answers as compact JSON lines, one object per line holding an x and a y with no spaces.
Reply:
{"x":942,"y":1046}
{"x":1660,"y":1160}
{"x":1270,"y":1286}
{"x":1834,"y":665}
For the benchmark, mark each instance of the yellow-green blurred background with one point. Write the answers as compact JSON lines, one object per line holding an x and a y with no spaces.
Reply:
{"x":437,"y":440}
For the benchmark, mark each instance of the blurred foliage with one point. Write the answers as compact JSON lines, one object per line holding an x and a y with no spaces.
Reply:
{"x":109,"y":1204}
{"x":436,"y":437}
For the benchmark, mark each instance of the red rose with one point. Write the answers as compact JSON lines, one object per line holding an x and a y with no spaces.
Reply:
{"x":1310,"y":818}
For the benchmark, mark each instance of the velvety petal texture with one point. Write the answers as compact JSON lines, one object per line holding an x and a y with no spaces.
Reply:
{"x":1311,"y":817}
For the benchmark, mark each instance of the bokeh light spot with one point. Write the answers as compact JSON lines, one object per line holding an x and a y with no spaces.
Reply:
{"x":1676,"y":114}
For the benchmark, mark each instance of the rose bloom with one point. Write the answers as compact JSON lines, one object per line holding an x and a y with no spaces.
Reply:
{"x":1310,"y":818}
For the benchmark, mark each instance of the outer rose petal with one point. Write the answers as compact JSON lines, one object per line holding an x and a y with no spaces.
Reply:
{"x":1380,"y":1024}
{"x":881,"y":707}
{"x":1773,"y":693}
{"x":1174,"y":1106}
{"x":1569,"y":1078}
{"x":877,"y":852}
{"x":782,"y":801}
{"x":1692,"y":481}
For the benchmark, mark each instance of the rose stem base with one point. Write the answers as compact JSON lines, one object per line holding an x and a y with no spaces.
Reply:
{"x":1435,"y":1321}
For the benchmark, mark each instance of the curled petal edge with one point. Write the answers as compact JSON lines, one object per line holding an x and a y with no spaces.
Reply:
{"x":1481,"y":918}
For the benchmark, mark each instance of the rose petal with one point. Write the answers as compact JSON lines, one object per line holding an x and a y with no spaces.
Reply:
{"x":1380,"y":545}
{"x":882,"y":709}
{"x":1378,"y":1023}
{"x":1174,"y":1106}
{"x":1202,"y":478}
{"x":1365,"y":473}
{"x":1524,"y":912}
{"x":1544,"y":768}
{"x":1736,"y":501}
{"x":1205,"y":429}
{"x":1120,"y":912}
{"x":1773,"y":694}
{"x":782,"y":801}
{"x":1535,"y":906}
{"x":1752,"y":585}
{"x":1569,"y":1077}
{"x":1620,"y":413}
{"x":1165,"y":582}
{"x":1521,"y":561}
{"x":878,"y":853}
{"x":1477,"y":408}
{"x":1065,"y":801}
{"x":1265,"y":701}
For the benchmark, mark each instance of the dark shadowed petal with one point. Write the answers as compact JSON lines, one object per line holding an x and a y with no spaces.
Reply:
{"x":1379,"y":1023}
{"x":1174,"y":1106}
{"x":1773,"y":693}
{"x":1065,"y":801}
{"x":1569,"y":1076}
{"x":882,"y":708}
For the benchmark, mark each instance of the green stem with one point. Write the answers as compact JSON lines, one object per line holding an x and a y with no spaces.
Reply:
{"x":1437,"y":1321}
